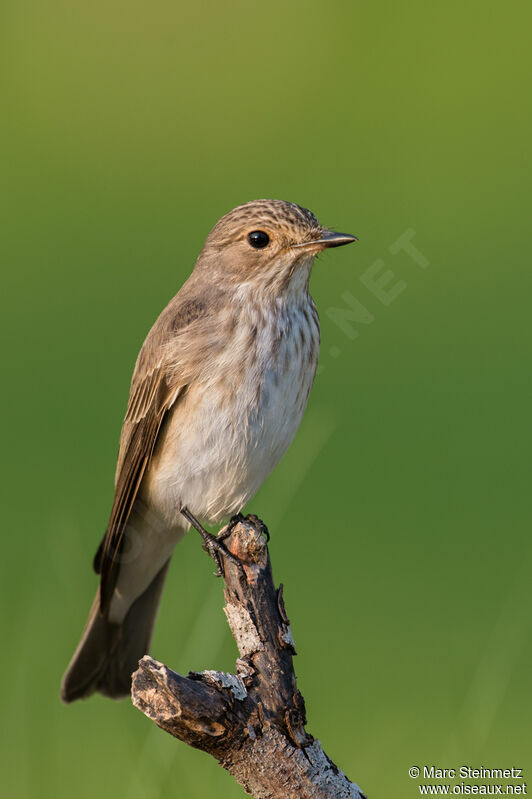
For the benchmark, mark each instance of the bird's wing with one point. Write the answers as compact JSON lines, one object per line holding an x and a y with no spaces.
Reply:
{"x":150,"y":400}
{"x":156,"y":386}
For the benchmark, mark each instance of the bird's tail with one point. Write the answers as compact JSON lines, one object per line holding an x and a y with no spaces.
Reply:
{"x":108,"y":654}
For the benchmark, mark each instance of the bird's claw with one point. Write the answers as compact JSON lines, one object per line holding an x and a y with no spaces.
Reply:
{"x":214,"y":552}
{"x":213,"y":545}
{"x":226,"y":531}
{"x":261,"y":526}
{"x":217,"y":550}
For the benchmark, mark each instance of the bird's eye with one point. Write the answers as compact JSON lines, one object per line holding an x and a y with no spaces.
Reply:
{"x":258,"y":239}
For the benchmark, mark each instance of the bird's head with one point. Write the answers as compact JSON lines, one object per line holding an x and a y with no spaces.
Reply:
{"x":267,"y":245}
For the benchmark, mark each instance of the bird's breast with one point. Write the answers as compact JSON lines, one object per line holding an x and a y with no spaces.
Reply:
{"x":236,"y":421}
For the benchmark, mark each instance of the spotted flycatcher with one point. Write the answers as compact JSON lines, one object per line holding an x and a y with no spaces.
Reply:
{"x":217,"y":395}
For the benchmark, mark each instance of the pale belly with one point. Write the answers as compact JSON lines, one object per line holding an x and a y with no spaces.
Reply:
{"x":217,"y":450}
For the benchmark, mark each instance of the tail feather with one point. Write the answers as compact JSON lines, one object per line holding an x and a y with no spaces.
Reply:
{"x":108,"y":654}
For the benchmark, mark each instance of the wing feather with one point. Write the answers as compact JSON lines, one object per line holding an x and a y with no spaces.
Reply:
{"x":156,"y":386}
{"x":149,"y":403}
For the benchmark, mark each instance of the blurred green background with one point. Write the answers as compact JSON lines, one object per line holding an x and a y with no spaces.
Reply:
{"x":400,"y":517}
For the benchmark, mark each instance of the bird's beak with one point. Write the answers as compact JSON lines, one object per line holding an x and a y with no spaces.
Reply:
{"x":328,"y":238}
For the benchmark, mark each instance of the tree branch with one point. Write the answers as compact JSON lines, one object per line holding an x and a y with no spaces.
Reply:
{"x":253,"y":722}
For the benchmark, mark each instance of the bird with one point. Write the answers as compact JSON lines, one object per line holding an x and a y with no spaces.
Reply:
{"x":218,"y":392}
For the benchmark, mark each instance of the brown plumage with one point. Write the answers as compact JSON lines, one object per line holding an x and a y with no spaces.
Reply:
{"x":217,"y":394}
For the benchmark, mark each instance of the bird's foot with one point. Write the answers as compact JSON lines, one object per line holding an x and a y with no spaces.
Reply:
{"x":226,"y":531}
{"x":212,"y":544}
{"x":260,"y":524}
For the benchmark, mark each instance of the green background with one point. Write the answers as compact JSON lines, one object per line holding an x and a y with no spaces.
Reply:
{"x":400,"y":516}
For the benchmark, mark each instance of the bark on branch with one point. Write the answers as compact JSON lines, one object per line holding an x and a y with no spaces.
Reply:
{"x":252,"y":722}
